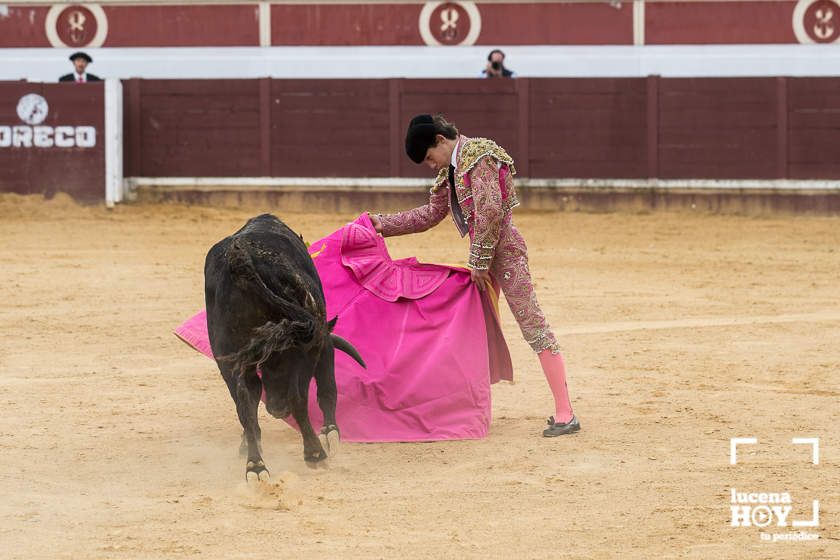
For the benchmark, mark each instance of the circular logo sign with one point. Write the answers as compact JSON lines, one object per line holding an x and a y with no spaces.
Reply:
{"x":76,"y":26}
{"x":817,"y":21}
{"x":32,"y":109}
{"x":449,"y":23}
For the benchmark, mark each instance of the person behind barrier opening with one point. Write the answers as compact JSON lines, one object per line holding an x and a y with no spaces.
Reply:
{"x":496,"y":66}
{"x":475,"y":183}
{"x":80,"y":74}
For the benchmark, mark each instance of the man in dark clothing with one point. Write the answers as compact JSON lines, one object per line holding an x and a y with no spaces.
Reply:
{"x":496,"y":66}
{"x":80,"y":75}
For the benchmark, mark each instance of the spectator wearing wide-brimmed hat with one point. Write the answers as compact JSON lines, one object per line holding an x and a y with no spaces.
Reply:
{"x":80,"y":75}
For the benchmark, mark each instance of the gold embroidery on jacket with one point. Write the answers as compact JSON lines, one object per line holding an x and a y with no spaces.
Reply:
{"x":471,"y":153}
{"x":441,"y":178}
{"x":476,"y":148}
{"x":473,"y":150}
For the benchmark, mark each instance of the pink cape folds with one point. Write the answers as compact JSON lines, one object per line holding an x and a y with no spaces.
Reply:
{"x":431,"y":340}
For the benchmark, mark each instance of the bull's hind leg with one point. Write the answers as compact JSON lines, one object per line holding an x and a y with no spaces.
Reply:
{"x":230,"y":381}
{"x":313,"y":453}
{"x":327,"y":398}
{"x":248,"y":390}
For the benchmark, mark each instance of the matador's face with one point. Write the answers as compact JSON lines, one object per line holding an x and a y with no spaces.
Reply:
{"x":439,"y":155}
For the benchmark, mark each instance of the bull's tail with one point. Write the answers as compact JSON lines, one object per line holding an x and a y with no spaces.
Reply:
{"x":268,"y":339}
{"x":300,"y":328}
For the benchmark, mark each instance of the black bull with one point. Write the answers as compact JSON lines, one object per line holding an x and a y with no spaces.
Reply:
{"x":266,"y":311}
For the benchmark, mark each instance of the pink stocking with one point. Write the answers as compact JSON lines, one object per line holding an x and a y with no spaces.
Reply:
{"x":555,"y":374}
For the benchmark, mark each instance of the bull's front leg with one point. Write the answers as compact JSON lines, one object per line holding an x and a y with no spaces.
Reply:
{"x":248,"y":391}
{"x":327,"y":398}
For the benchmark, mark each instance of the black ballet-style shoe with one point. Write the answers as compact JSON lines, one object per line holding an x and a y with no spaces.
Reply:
{"x":556,"y":429}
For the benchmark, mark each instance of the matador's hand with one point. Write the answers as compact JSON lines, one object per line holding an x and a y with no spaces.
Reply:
{"x":480,"y":277}
{"x":377,"y":223}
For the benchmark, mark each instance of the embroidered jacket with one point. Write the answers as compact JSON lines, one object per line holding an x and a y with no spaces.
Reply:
{"x":483,"y":191}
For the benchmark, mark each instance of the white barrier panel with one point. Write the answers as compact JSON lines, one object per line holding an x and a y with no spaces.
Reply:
{"x":430,"y":62}
{"x":113,"y":142}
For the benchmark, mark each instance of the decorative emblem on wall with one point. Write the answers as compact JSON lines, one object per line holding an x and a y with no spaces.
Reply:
{"x":76,"y":25}
{"x":449,"y":23}
{"x":32,"y":109}
{"x":817,"y":21}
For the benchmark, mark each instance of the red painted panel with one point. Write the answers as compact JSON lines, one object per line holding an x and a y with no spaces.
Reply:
{"x":814,"y":128}
{"x":588,"y":128}
{"x":131,"y":128}
{"x":717,"y":128}
{"x":536,"y":23}
{"x":182,"y":26}
{"x":323,"y":128}
{"x":675,"y":23}
{"x":345,"y":24}
{"x":815,"y":146}
{"x":77,"y":170}
{"x":596,"y":23}
{"x":23,"y":26}
{"x":818,"y":170}
{"x":707,"y":128}
{"x":501,"y":24}
{"x":198,"y":128}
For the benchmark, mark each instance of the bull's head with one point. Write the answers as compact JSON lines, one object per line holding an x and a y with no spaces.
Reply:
{"x":285,"y":378}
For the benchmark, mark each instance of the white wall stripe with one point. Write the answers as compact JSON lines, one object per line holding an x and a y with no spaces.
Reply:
{"x":265,"y":24}
{"x":401,"y":184}
{"x":113,"y":135}
{"x":430,"y":62}
{"x":638,"y":22}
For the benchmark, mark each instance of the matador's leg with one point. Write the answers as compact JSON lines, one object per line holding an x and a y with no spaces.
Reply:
{"x":510,"y":269}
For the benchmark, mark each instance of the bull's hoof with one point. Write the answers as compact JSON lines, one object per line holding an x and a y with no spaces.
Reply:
{"x":314,"y":458}
{"x":330,"y":439}
{"x":256,"y":472}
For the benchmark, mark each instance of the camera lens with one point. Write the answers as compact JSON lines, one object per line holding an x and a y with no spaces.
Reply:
{"x":496,"y":65}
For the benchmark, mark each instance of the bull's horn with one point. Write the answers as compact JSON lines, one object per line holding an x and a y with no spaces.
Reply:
{"x":341,"y":344}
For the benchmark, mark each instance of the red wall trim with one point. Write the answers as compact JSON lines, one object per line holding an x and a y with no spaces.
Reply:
{"x":358,"y":24}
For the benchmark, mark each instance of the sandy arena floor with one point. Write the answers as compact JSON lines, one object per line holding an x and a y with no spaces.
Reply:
{"x":118,"y":441}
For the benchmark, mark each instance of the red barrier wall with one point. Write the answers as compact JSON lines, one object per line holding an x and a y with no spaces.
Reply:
{"x":813,"y":128}
{"x":51,"y":139}
{"x":336,"y":125}
{"x":588,"y":128}
{"x":701,"y":23}
{"x":721,"y":128}
{"x":168,"y":23}
{"x":741,"y":128}
{"x":726,"y":128}
{"x":176,"y":128}
{"x":182,"y":26}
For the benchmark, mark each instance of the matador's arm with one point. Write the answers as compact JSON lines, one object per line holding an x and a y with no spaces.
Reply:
{"x":418,"y":219}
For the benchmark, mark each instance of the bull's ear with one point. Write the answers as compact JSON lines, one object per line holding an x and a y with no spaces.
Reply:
{"x":331,"y":323}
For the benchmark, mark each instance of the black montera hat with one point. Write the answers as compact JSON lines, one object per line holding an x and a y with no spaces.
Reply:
{"x":419,"y":137}
{"x":81,"y":54}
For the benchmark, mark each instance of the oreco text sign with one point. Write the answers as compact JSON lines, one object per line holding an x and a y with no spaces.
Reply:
{"x":33,"y":109}
{"x":47,"y":137}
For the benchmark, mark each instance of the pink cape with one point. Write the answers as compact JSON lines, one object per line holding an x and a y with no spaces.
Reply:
{"x":432,"y":342}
